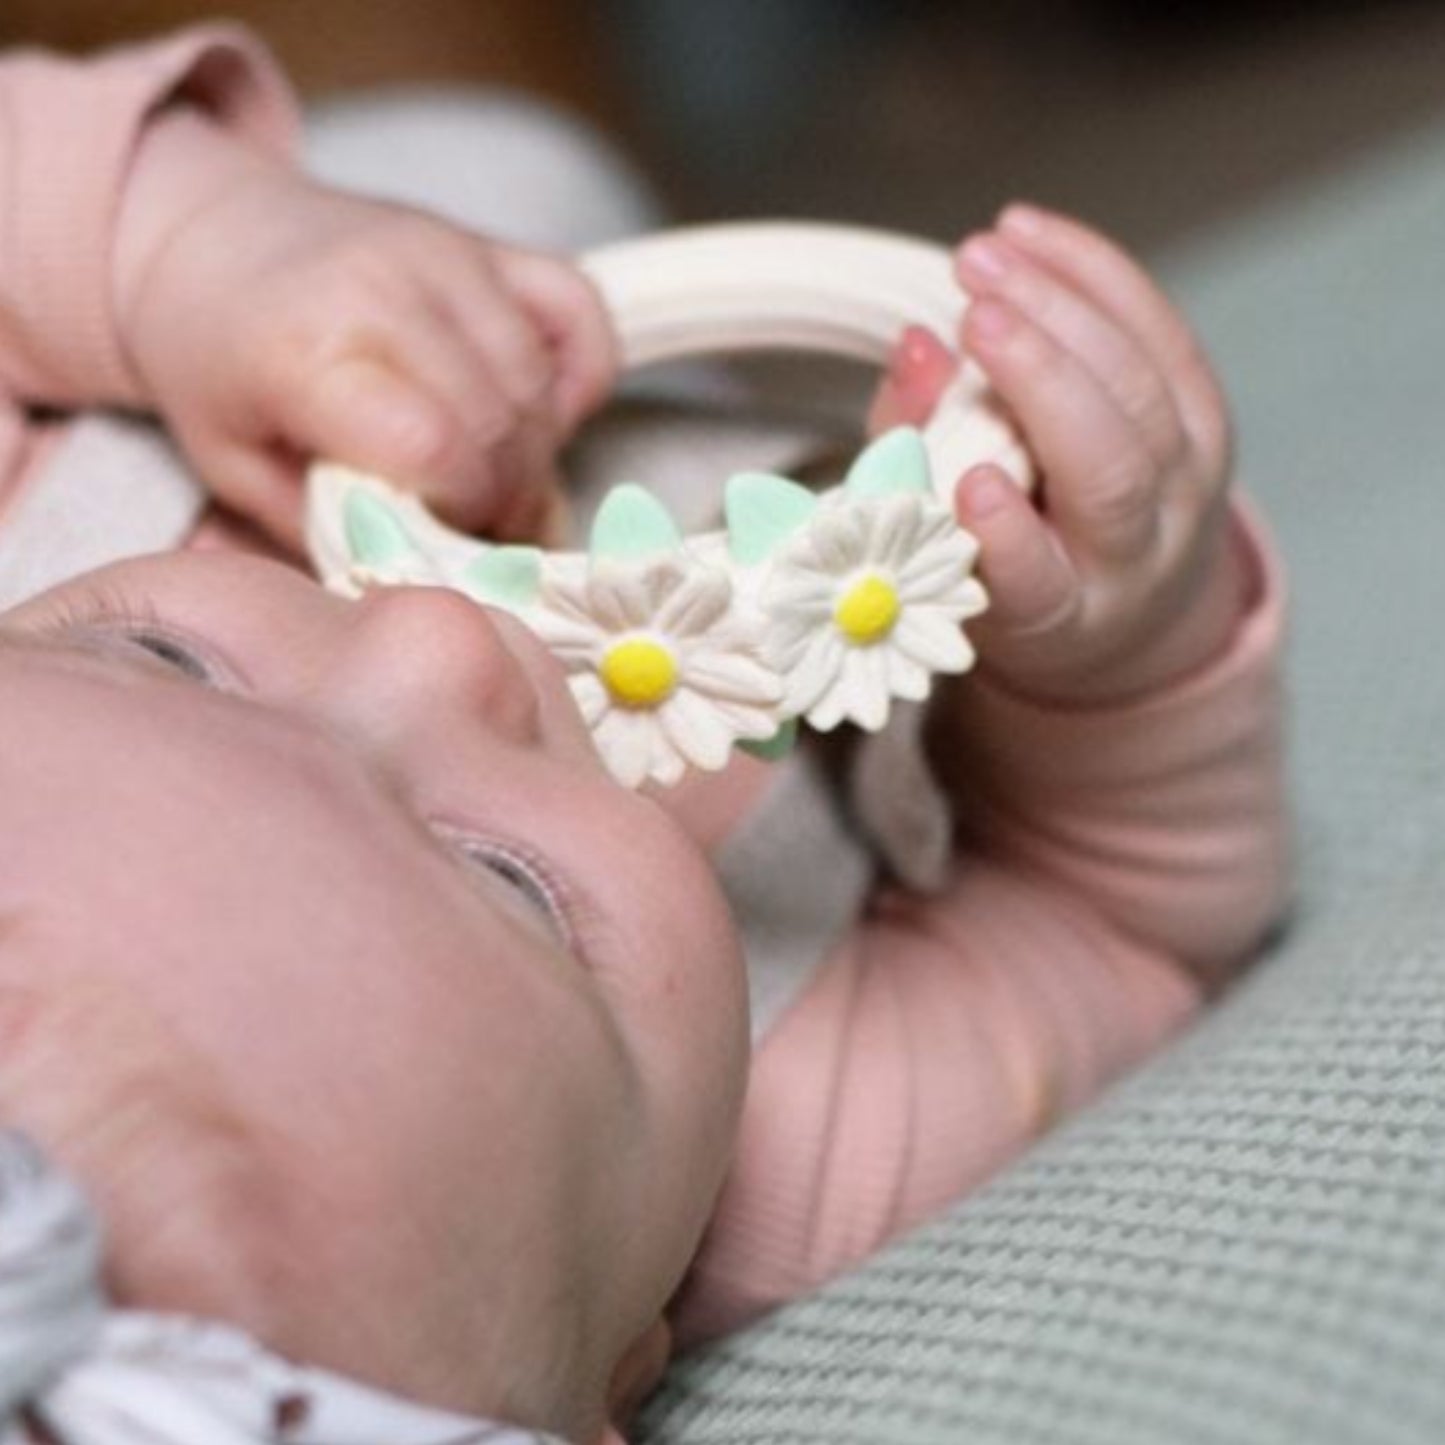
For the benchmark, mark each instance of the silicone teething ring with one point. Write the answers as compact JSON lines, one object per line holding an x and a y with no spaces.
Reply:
{"x":821,"y":606}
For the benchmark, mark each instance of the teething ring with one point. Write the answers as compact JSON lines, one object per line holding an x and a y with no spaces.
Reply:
{"x":823,"y":606}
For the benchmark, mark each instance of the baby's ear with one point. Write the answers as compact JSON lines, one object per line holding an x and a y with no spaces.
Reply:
{"x":638,"y":1374}
{"x":115,"y":1099}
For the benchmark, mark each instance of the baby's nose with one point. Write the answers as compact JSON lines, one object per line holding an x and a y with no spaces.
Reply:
{"x":415,"y":660}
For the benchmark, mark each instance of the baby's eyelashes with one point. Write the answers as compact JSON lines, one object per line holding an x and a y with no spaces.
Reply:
{"x":174,"y":654}
{"x":126,"y":626}
{"x":518,"y":874}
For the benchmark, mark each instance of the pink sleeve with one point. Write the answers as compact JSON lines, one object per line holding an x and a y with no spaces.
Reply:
{"x":70,"y":134}
{"x":934,"y":1045}
{"x":1167,"y":815}
{"x":1116,"y":862}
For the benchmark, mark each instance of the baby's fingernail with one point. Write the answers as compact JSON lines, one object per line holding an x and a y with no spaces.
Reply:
{"x":921,"y":364}
{"x":985,"y":258}
{"x":983,"y":492}
{"x":917,"y":348}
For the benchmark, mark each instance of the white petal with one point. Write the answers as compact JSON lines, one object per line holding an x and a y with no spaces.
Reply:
{"x":740,"y":679}
{"x":567,"y":599}
{"x":906,"y":678}
{"x":931,"y":640}
{"x":970,"y":599}
{"x":568,"y":636}
{"x":793,"y":589}
{"x":937,"y":526}
{"x":790,"y":637}
{"x":934,"y":573}
{"x":696,"y":730}
{"x":835,"y":542}
{"x":667,"y":764}
{"x":810,"y":677}
{"x":621,"y":595}
{"x":866,"y":683}
{"x":695,"y":605}
{"x":590,"y":696}
{"x":749,"y":722}
{"x":895,"y":531}
{"x":624,"y":738}
{"x":831,"y":708}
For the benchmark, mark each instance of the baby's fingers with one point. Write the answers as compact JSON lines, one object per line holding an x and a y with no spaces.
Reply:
{"x":568,"y":313}
{"x":366,"y":412}
{"x":990,"y":265}
{"x":359,"y":409}
{"x":434,"y":423}
{"x":1031,"y":581}
{"x":1123,"y":288}
{"x":1101,"y":484}
{"x":919,"y":368}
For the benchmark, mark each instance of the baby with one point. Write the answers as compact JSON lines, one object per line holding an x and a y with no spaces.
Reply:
{"x":372,"y":1014}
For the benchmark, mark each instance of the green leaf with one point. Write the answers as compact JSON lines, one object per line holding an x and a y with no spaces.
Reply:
{"x":631,"y":522}
{"x":374,"y":533}
{"x":507,"y":577}
{"x":778,"y":746}
{"x":762,"y":511}
{"x":895,"y":462}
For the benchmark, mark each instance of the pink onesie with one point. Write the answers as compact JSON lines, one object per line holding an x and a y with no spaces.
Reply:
{"x":1111,"y":866}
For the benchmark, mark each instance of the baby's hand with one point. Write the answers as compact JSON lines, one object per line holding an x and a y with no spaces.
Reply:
{"x":1119,"y":575}
{"x":284,"y":321}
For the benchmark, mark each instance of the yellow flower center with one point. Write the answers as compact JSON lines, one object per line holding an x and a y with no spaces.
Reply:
{"x":639,"y":672}
{"x":867,"y":611}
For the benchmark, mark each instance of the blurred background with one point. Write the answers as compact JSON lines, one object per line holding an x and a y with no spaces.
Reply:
{"x":1155,"y":120}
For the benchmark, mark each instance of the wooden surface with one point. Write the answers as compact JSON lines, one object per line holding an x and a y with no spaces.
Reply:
{"x":549,"y":46}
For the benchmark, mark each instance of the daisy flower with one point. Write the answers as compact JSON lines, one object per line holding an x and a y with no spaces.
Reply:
{"x":664,"y":667}
{"x":865,"y":601}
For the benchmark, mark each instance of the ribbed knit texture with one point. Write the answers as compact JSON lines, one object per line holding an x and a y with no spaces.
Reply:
{"x":1245,"y":1243}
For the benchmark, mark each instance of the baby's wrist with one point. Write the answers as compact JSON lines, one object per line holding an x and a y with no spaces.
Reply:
{"x":1203,"y":630}
{"x":186,"y":164}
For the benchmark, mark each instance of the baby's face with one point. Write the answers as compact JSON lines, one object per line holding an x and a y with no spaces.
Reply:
{"x":446,"y":1029}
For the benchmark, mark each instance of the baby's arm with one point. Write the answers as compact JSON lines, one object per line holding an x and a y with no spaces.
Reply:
{"x":1116,"y":765}
{"x":160,"y":252}
{"x":1121,"y":736}
{"x":71,"y":134}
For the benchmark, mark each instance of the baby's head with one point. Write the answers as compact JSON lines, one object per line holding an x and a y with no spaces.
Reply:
{"x":373,"y":1014}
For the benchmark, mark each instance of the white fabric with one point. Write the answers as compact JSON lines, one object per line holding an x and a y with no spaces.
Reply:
{"x":88,"y":1377}
{"x":491,"y":160}
{"x":115,"y":487}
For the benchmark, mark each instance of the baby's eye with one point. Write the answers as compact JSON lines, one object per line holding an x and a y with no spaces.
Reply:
{"x":176,"y":655}
{"x":517,"y":873}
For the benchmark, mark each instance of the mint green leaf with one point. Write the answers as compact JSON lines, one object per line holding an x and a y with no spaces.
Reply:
{"x":507,"y":577}
{"x":374,"y":533}
{"x":631,"y":522}
{"x":778,"y":746}
{"x":895,"y":462}
{"x":763,"y":510}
